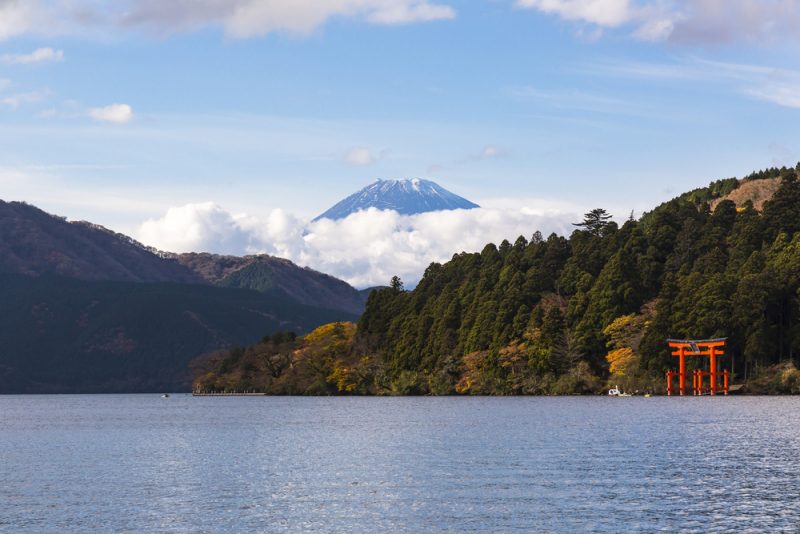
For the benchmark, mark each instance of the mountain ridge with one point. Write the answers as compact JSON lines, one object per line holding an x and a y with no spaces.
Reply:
{"x":34,"y":242}
{"x":262,"y":272}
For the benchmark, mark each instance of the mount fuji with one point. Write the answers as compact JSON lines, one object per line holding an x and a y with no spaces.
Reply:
{"x":407,"y":197}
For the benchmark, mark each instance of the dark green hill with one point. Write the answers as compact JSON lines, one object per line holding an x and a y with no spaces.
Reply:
{"x":66,"y":335}
{"x":267,"y":273}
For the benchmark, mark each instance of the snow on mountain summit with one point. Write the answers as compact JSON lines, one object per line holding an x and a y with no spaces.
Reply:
{"x":407,"y":197}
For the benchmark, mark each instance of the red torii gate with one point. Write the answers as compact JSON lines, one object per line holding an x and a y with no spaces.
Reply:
{"x":698,"y":347}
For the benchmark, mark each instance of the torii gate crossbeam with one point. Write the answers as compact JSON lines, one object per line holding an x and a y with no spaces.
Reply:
{"x":698,"y":347}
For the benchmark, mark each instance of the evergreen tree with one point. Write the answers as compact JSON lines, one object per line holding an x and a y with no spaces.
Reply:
{"x":595,"y":222}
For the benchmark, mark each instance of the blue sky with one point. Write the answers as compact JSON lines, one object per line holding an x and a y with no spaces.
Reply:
{"x":557,"y":105}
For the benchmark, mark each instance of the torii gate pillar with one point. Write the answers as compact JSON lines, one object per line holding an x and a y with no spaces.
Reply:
{"x":709,"y":347}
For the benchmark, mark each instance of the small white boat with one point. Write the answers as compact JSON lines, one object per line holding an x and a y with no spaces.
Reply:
{"x":615,"y":392}
{"x":165,"y":396}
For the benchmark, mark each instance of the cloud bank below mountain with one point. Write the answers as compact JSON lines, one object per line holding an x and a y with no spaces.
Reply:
{"x":365,"y":249}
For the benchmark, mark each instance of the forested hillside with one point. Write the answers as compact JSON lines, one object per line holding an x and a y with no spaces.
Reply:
{"x":63,"y":335}
{"x":566,"y":315}
{"x":85,"y":309}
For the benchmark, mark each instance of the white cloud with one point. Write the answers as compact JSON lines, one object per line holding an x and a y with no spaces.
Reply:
{"x":18,"y":17}
{"x":196,"y":227}
{"x":407,"y":12}
{"x":658,"y":29}
{"x":359,"y":156}
{"x":238,"y":18}
{"x":683,"y":21}
{"x":366,"y":248}
{"x":722,"y":21}
{"x":116,"y":113}
{"x":601,"y":12}
{"x":249,"y":18}
{"x":678,"y":21}
{"x":39,"y":55}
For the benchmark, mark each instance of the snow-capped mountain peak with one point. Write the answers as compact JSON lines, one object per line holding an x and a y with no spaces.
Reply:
{"x":406,"y":196}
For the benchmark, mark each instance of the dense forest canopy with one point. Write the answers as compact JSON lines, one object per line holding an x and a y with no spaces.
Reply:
{"x":566,"y":315}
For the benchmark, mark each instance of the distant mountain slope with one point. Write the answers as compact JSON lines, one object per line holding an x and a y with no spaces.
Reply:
{"x":84,"y":309}
{"x":62,"y":335}
{"x":407,"y":197}
{"x":267,"y":273}
{"x":34,"y":242}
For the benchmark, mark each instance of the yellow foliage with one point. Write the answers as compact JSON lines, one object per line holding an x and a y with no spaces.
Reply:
{"x":473,"y":362}
{"x":343,"y":377}
{"x":326,"y":331}
{"x":621,"y":361}
{"x":353,"y":376}
{"x":621,"y":329}
{"x":327,"y":341}
{"x":513,"y":355}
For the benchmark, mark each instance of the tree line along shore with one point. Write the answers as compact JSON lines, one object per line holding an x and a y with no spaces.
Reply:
{"x":567,"y":315}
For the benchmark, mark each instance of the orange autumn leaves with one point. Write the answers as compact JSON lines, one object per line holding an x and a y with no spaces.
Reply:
{"x":624,"y":333}
{"x":621,"y":360}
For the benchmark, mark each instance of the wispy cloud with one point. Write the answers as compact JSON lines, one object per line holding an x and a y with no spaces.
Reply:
{"x":786,"y":94}
{"x":771,"y":84}
{"x":577,"y":104}
{"x":40,"y":55}
{"x":569,"y":98}
{"x":16,"y":100}
{"x":50,"y":190}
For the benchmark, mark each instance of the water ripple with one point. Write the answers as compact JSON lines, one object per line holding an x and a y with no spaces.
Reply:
{"x":136,"y":463}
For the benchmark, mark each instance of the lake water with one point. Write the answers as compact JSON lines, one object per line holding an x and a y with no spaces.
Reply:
{"x":140,"y":463}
